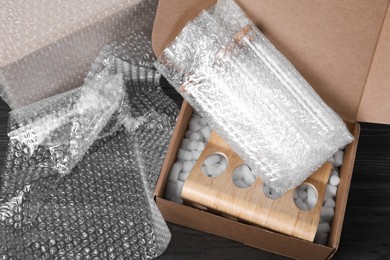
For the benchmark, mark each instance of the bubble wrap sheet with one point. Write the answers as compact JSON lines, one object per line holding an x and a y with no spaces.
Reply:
{"x":81,"y":167}
{"x":252,"y":96}
{"x":52,"y":43}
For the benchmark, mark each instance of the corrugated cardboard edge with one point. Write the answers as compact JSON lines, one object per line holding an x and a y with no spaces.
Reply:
{"x":343,"y":190}
{"x":375,"y":102}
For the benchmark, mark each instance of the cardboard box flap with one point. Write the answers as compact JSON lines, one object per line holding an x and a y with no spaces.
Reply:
{"x":375,"y":103}
{"x":331,"y":43}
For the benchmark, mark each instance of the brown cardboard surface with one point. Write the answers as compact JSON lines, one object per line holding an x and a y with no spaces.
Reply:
{"x":331,"y":43}
{"x":375,"y":104}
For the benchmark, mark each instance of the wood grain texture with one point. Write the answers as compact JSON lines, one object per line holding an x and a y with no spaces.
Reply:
{"x":366,"y":230}
{"x":219,"y":194}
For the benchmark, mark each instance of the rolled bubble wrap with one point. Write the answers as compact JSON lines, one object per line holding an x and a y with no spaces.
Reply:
{"x":252,"y":96}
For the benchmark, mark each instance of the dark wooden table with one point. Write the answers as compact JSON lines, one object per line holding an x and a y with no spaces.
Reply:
{"x":366,"y":231}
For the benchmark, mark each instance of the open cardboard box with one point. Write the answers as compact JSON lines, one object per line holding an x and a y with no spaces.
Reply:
{"x":342,"y":49}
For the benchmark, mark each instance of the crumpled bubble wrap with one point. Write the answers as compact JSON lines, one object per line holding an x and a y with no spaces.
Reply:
{"x":67,"y":125}
{"x":252,"y":96}
{"x":98,"y":204}
{"x":133,"y":57}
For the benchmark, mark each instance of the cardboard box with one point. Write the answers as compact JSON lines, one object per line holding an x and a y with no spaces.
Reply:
{"x":342,"y":49}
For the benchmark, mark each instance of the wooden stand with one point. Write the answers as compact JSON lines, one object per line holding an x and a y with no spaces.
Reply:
{"x":220,"y":195}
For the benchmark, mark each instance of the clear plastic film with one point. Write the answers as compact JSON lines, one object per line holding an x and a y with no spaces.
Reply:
{"x":67,"y":125}
{"x":137,"y":68}
{"x":81,"y":167}
{"x":49,"y":45}
{"x":252,"y":96}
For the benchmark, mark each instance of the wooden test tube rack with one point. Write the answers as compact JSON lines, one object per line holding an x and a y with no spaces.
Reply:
{"x":220,"y":195}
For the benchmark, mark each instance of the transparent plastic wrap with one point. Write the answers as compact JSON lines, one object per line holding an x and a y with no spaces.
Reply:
{"x":52,"y":44}
{"x":252,"y":96}
{"x":81,"y":169}
{"x":131,"y":56}
{"x":65,"y":126}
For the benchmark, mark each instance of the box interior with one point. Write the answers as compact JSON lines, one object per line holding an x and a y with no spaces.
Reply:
{"x":246,"y":233}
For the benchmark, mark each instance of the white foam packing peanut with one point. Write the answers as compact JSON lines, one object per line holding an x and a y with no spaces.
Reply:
{"x":194,"y":125}
{"x":183,"y":176}
{"x":170,"y":189}
{"x":191,"y":145}
{"x":327,"y":213}
{"x":202,"y":122}
{"x":330,"y":203}
{"x":323,"y":227}
{"x":338,"y":158}
{"x":331,"y":189}
{"x":196,"y":154}
{"x":206,"y":132}
{"x":334,"y":180}
{"x":237,"y":175}
{"x":302,"y":194}
{"x":179,"y":188}
{"x":187,"y":166}
{"x":305,"y":197}
{"x":175,"y":170}
{"x":214,"y":165}
{"x":212,"y":159}
{"x":195,"y":136}
{"x":240,"y":184}
{"x":243,"y":177}
{"x":312,"y":197}
{"x":335,"y":172}
{"x":249,"y":178}
{"x":200,"y":146}
{"x":301,"y":205}
{"x":321,"y":238}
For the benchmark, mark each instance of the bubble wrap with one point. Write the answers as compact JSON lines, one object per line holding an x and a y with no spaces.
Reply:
{"x":252,"y":96}
{"x":48,"y":45}
{"x":102,"y":206}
